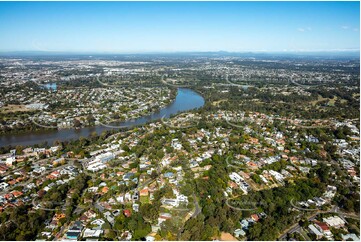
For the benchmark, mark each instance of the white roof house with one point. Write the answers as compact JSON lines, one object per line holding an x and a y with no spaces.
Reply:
{"x":315,"y":231}
{"x":92,"y":233}
{"x":350,"y":236}
{"x":239,"y":232}
{"x":334,"y":221}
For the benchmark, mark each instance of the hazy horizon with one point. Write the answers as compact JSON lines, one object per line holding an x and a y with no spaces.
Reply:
{"x":142,"y":27}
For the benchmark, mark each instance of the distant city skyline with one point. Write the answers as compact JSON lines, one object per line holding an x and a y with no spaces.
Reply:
{"x":138,"y":27}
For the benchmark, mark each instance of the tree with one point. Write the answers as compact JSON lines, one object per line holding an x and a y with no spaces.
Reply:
{"x":19,"y":149}
{"x":90,"y":119}
{"x":149,"y":211}
{"x":255,"y":231}
{"x":256,"y":178}
{"x":77,"y":123}
{"x":154,"y":174}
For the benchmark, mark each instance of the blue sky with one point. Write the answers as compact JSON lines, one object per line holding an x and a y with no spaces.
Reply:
{"x":179,"y":26}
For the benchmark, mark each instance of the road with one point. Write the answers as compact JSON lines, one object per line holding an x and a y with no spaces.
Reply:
{"x":196,"y":205}
{"x":335,"y":209}
{"x":140,"y":187}
{"x":295,"y":227}
{"x":195,"y":214}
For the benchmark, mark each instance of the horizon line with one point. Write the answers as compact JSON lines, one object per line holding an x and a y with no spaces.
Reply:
{"x":179,"y":51}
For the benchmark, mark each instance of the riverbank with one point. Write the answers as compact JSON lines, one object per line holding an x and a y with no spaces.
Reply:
{"x":186,"y":99}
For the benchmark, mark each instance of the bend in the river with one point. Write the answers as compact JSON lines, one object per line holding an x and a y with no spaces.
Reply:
{"x":185,"y":100}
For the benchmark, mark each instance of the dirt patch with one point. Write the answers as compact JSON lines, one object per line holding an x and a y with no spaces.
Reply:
{"x":227,"y":237}
{"x":11,"y":108}
{"x":215,"y":103}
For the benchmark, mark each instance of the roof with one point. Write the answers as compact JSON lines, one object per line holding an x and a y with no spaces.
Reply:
{"x":92,"y":233}
{"x":164,"y":217}
{"x":334,"y":221}
{"x":239,"y":232}
{"x":322,"y":225}
{"x":350,"y":236}
{"x":144,"y":191}
{"x":255,"y":217}
{"x":169,"y":174}
{"x":314,"y":230}
{"x":16,"y":193}
{"x":72,"y":234}
{"x":127,"y":212}
{"x":58,"y":216}
{"x":105,"y":189}
{"x":149,"y":238}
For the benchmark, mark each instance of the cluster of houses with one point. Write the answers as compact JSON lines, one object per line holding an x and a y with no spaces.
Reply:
{"x":277,"y":141}
{"x":35,"y":189}
{"x":99,"y":158}
{"x":322,"y":230}
{"x":99,"y":161}
{"x":247,"y":222}
{"x":320,"y":201}
{"x":242,"y":184}
{"x":11,"y":158}
{"x":135,"y":171}
{"x":131,"y":103}
{"x":175,"y":202}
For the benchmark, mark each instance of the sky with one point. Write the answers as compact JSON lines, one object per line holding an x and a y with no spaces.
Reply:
{"x":135,"y":27}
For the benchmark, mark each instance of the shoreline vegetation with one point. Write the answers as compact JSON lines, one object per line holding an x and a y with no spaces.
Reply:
{"x":86,"y":121}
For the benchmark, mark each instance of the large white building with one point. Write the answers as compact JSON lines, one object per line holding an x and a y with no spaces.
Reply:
{"x":334,"y":221}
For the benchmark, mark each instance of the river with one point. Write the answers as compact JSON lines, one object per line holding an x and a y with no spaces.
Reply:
{"x":185,"y":100}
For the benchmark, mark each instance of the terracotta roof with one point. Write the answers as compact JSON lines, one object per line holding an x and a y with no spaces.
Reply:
{"x":105,"y":189}
{"x":322,"y":225}
{"x":144,"y":192}
{"x":16,"y":193}
{"x":255,"y":217}
{"x":127,"y":212}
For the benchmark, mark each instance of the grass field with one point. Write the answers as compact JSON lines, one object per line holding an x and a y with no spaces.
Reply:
{"x":144,"y":199}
